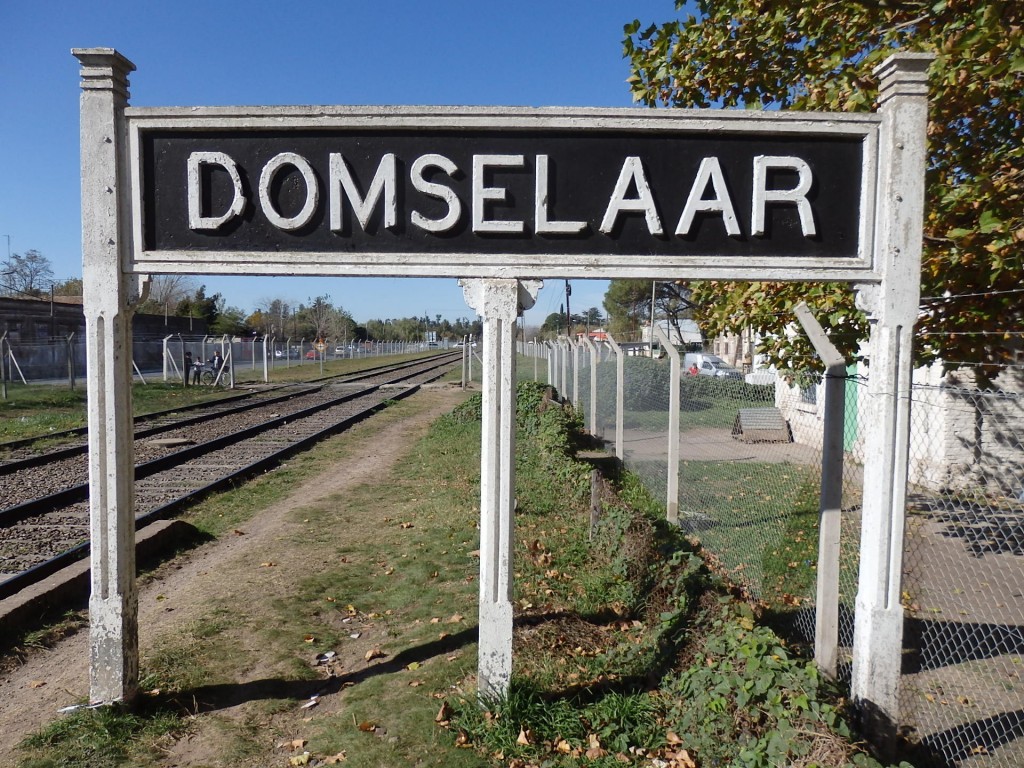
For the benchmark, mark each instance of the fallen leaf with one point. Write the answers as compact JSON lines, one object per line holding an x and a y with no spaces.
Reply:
{"x":302,"y":759}
{"x":444,"y":714}
{"x":455,"y":618}
{"x":412,"y":666}
{"x":309,"y":639}
{"x":462,"y":740}
{"x":436,"y":620}
{"x":406,"y":525}
{"x":334,"y":759}
{"x":683,"y":760}
{"x":524,"y":737}
{"x":37,"y":684}
{"x":238,"y":532}
{"x":415,"y":683}
{"x":563,"y":746}
{"x":367,"y":727}
{"x":293,"y":744}
{"x":374,"y":653}
{"x":267,"y":564}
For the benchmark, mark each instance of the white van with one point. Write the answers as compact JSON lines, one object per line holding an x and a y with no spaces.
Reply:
{"x":709,"y":365}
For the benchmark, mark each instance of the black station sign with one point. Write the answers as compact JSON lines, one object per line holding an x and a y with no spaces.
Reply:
{"x":482,"y":191}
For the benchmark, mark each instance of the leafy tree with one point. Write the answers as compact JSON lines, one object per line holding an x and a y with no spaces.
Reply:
{"x":70,"y":287}
{"x":819,"y":55}
{"x":230,"y":321}
{"x":553,"y":324}
{"x":629,"y":304}
{"x":25,"y":274}
{"x":593,"y":317}
{"x":199,"y":305}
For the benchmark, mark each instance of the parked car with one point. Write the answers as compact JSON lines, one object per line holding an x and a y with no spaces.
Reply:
{"x":710,"y":365}
{"x":311,"y":355}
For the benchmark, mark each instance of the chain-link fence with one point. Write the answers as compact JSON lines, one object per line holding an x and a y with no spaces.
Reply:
{"x":162,"y":358}
{"x":962,"y":692}
{"x":749,"y":484}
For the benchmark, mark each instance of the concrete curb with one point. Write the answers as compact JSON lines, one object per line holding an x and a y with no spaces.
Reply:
{"x":69,"y":587}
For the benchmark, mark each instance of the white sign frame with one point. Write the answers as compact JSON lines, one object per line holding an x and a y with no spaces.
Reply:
{"x":549,"y":265}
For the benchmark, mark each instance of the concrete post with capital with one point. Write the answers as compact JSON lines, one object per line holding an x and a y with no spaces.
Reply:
{"x":892,"y":307}
{"x":499,"y":302}
{"x":107,"y":298}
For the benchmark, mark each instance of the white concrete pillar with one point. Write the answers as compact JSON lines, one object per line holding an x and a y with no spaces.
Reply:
{"x":826,"y":604}
{"x":107,"y":300}
{"x":620,"y":395}
{"x":672,"y":461}
{"x":498,"y":302}
{"x":575,"y":345}
{"x":595,"y":358}
{"x":892,"y":307}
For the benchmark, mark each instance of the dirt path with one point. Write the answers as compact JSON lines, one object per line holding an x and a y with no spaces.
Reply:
{"x":224,"y":569}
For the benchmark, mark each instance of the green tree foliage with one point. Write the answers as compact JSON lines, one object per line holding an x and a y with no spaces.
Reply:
{"x":70,"y":287}
{"x":819,"y":55}
{"x":199,"y":305}
{"x":553,"y":325}
{"x":628,"y":303}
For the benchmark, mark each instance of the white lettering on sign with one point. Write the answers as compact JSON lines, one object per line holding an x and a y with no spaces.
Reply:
{"x":632,"y":194}
{"x":196,"y":220}
{"x":270,"y":170}
{"x":482,"y":194}
{"x":439,"y":191}
{"x":798,"y":195}
{"x":710,"y":170}
{"x":543,"y":225}
{"x":632,"y":173}
{"x":383,"y":183}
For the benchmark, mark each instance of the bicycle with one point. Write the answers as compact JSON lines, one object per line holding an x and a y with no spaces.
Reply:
{"x":209,"y":377}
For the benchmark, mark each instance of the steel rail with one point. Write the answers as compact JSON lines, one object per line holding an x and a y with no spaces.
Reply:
{"x":74,"y":450}
{"x":25,"y":442}
{"x":11,"y":515}
{"x":14,"y":584}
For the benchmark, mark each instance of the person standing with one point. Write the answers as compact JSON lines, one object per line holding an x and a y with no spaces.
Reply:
{"x":187,"y":367}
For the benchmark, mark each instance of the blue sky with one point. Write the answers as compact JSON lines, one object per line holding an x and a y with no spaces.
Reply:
{"x":188,"y":53}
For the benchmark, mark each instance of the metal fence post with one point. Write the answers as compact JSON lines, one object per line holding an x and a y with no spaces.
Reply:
{"x":620,"y":394}
{"x":71,"y":360}
{"x":672,"y":471}
{"x":594,"y":359}
{"x":826,"y":606}
{"x":575,"y":345}
{"x":3,"y":362}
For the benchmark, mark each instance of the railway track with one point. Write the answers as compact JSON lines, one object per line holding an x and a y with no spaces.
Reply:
{"x":43,"y":527}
